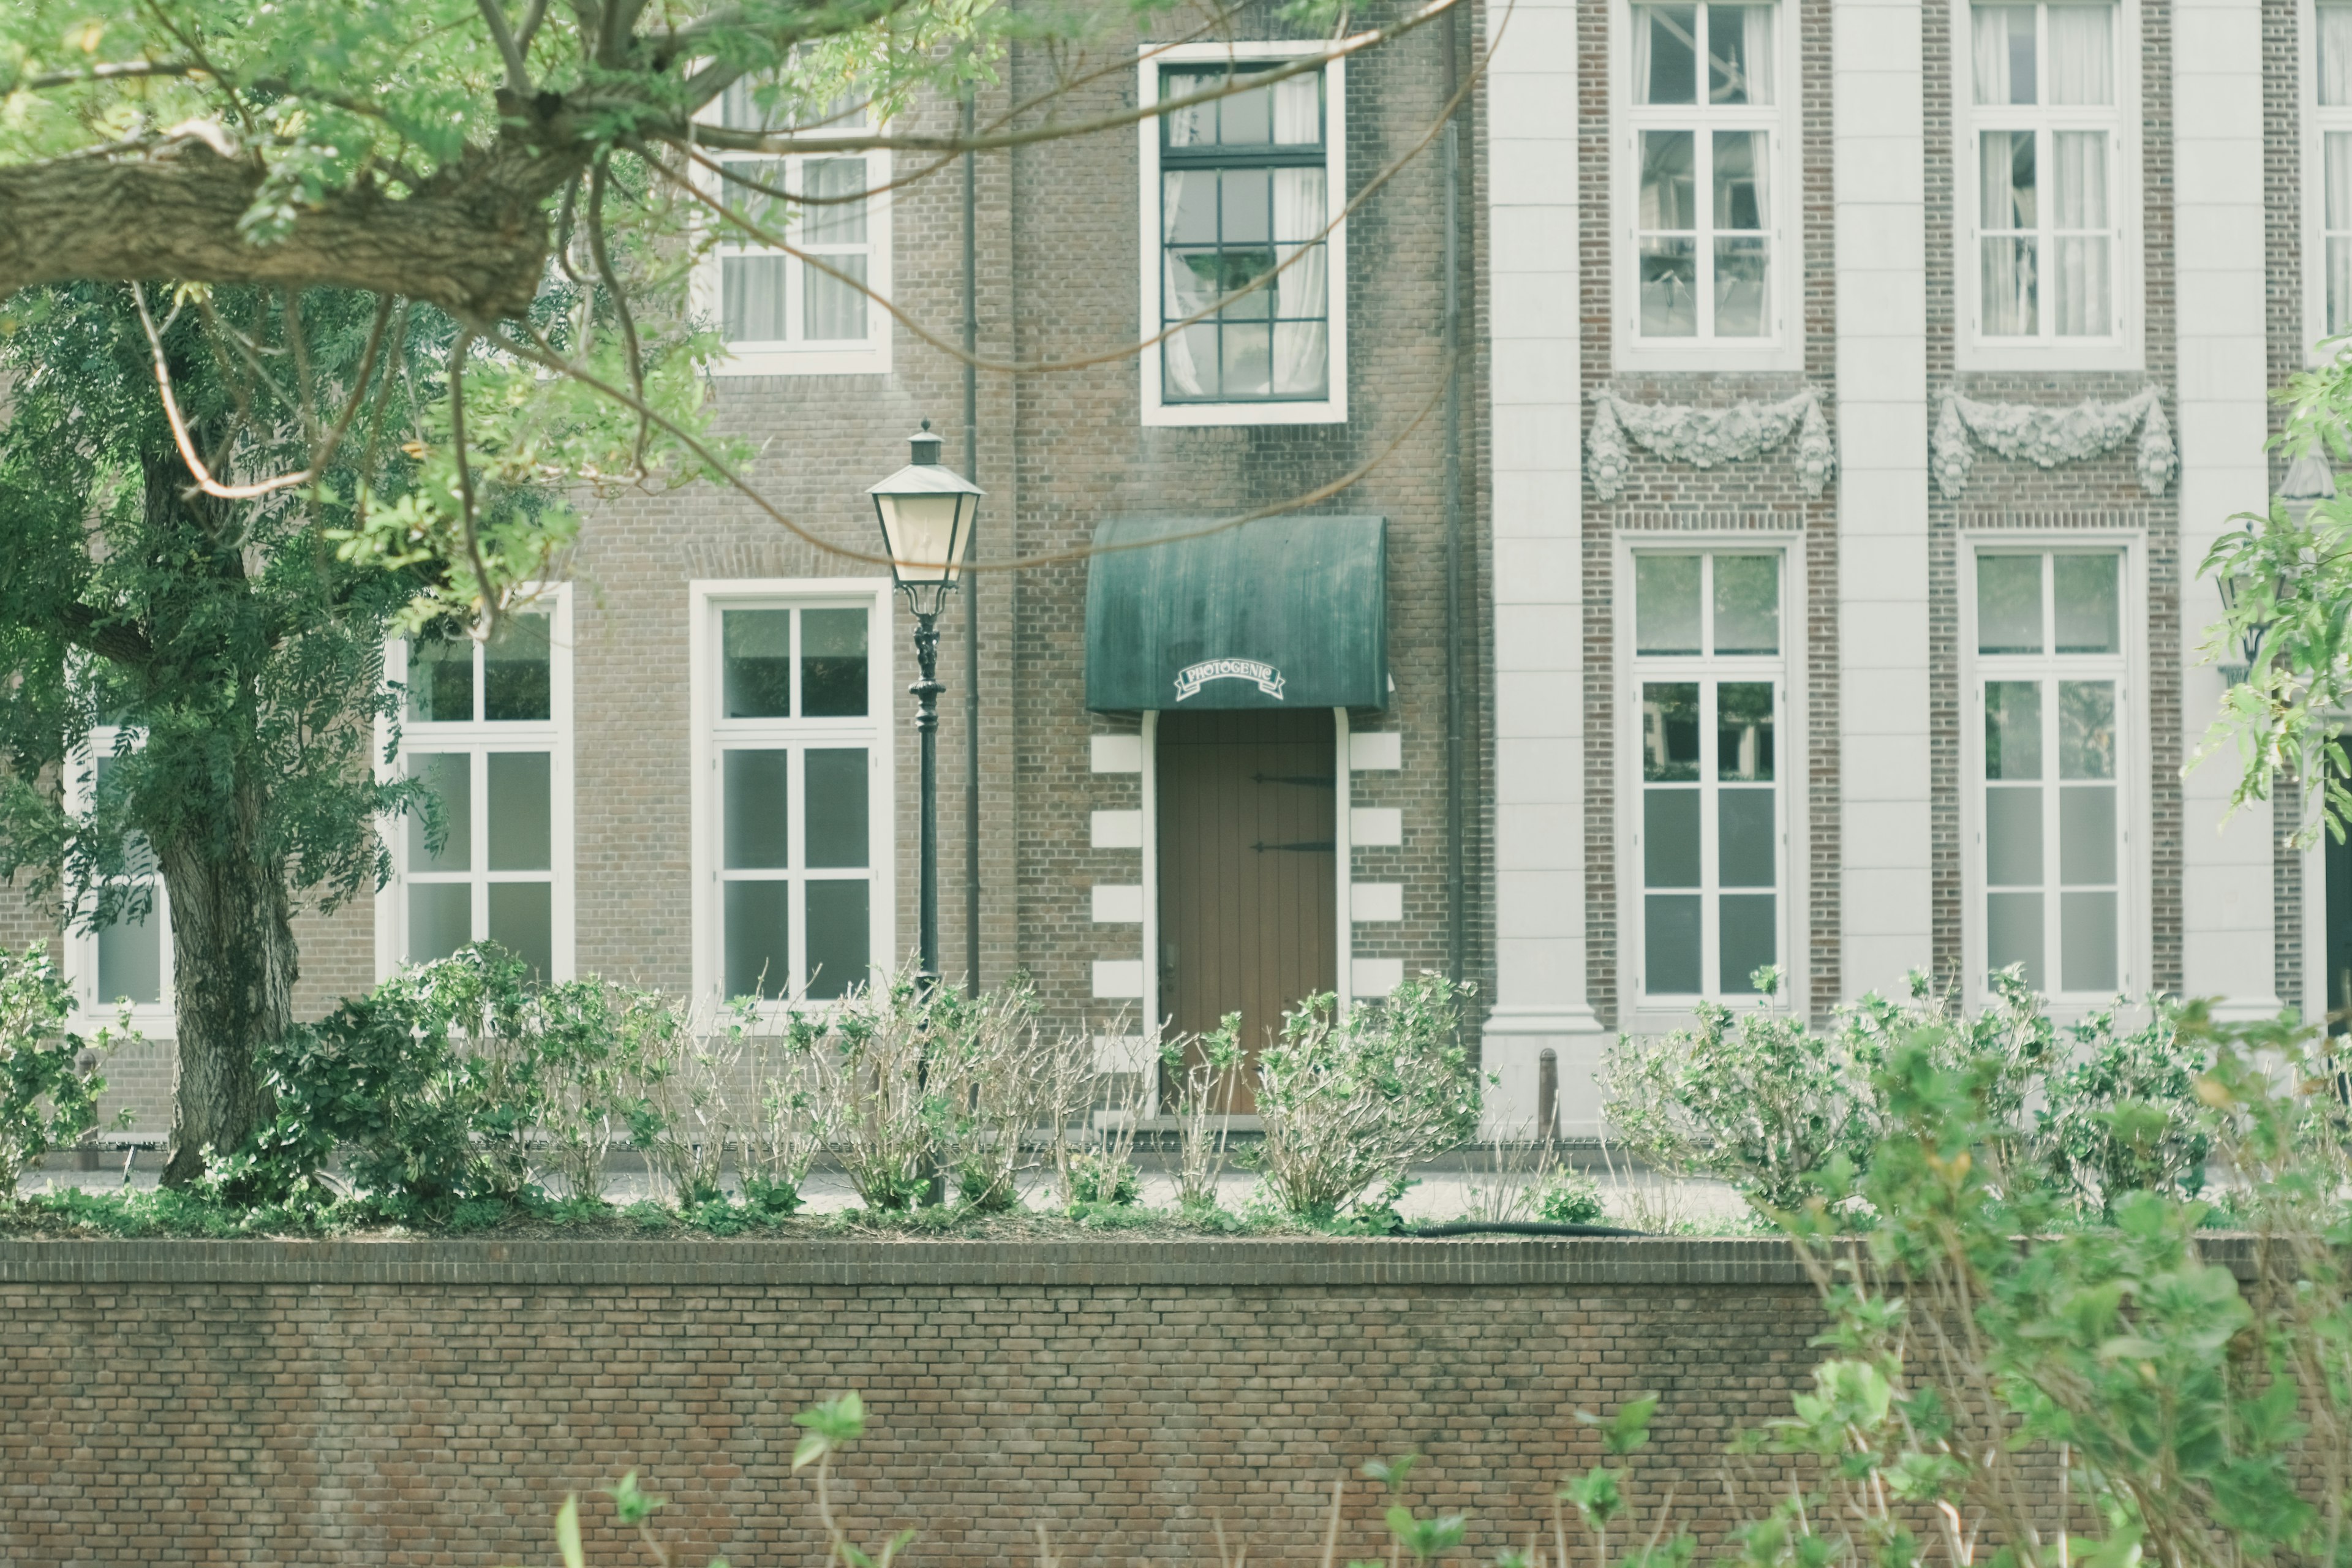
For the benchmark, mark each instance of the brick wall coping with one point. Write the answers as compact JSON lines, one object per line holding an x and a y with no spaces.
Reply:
{"x":1665,"y":1261}
{"x":1649,"y":1260}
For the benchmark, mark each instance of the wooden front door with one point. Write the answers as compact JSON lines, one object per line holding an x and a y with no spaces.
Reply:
{"x":1248,"y":901}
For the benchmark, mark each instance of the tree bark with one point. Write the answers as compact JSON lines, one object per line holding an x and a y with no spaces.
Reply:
{"x":232,"y":970}
{"x":474,"y":240}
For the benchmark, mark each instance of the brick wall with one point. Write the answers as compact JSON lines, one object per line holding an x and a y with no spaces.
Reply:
{"x":432,"y":1401}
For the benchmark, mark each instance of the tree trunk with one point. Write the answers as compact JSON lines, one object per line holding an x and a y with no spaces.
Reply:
{"x":232,"y":970}
{"x":474,"y":240}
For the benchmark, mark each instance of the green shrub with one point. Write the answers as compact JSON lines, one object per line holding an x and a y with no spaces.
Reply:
{"x":1568,"y":1199}
{"x":1353,"y":1099}
{"x":1102,"y":1176}
{"x":48,"y":1076}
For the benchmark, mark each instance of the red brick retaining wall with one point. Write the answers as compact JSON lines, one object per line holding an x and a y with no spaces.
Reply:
{"x":410,"y":1403}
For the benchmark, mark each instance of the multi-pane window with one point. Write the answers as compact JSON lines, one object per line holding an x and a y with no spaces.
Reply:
{"x":1245,"y":190}
{"x":482,"y":731}
{"x":2048,"y":681}
{"x":796,"y":753}
{"x":2331,"y":128}
{"x":2046,"y":138}
{"x":1708,"y":672}
{"x":1702,"y":122}
{"x":128,"y":959}
{"x":771,"y":304}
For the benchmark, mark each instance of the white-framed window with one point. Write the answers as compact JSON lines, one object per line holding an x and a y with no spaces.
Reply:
{"x":777,"y":314}
{"x":1231,"y":190}
{"x":2327,"y":169}
{"x":793,"y":848}
{"x":1706,"y":779}
{"x":1707,"y":263}
{"x":2047,"y":110}
{"x":128,"y":960}
{"x":2051,"y":753}
{"x":487,"y":727}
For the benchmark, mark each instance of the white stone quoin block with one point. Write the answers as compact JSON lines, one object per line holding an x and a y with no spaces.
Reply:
{"x":1118,"y":830}
{"x":1118,"y":904}
{"x":1377,"y":827}
{"x":1118,"y":978}
{"x":1119,"y":753}
{"x":1375,"y":901}
{"x":1382,"y":750}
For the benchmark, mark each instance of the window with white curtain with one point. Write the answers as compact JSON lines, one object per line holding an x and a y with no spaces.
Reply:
{"x":2045,"y":150}
{"x":486,"y":729}
{"x":1703,"y":130}
{"x":2049,"y":759}
{"x":1242,"y":190}
{"x":806,"y":314}
{"x":126,"y":962}
{"x":2328,"y":150}
{"x":1709,"y":849}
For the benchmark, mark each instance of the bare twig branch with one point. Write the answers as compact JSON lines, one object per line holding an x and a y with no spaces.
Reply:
{"x":518,"y":69}
{"x":545,"y":355}
{"x":113,"y":72}
{"x":186,"y":442}
{"x":597,"y":248}
{"x":465,"y":477}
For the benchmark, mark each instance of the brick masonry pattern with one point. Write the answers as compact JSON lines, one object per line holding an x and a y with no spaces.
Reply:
{"x":410,"y":1403}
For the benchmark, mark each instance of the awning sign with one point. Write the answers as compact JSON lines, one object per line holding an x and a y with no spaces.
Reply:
{"x":1193,"y":677}
{"x":1282,"y":612}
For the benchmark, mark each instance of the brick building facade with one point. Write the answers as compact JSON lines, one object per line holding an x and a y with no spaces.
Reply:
{"x":1742,"y":599}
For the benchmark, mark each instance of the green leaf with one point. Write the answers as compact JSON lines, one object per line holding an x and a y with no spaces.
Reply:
{"x":567,"y":1532}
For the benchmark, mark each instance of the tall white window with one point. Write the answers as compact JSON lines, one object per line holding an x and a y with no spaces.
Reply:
{"x":2047,"y":156}
{"x":486,"y":729}
{"x":1238,"y":189}
{"x":2328,"y":160}
{"x":795,"y":804}
{"x":1704,"y":128}
{"x":2050,"y":764}
{"x":1708,"y":679}
{"x":806,"y":315}
{"x":128,"y":960}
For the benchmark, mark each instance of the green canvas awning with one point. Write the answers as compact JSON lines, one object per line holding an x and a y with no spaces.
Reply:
{"x":1286,"y":612}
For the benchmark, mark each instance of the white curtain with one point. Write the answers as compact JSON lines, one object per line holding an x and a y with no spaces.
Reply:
{"x":1643,"y":22}
{"x":1298,"y":110}
{"x":1301,"y":356}
{"x":2335,"y":54}
{"x":1758,"y":46}
{"x":2079,"y":271}
{"x":1990,"y":34}
{"x":2337,"y":218}
{"x":1181,"y":372}
{"x":2081,"y":54}
{"x":2009,"y":263}
{"x":1196,"y":126}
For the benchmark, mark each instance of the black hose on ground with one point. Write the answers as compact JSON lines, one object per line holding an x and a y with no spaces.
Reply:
{"x":1518,"y":1227}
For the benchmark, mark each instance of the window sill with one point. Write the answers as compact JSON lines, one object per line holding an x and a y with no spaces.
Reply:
{"x":751,"y":362}
{"x":2052,"y":356}
{"x":1634,"y":355}
{"x":1327,"y":411}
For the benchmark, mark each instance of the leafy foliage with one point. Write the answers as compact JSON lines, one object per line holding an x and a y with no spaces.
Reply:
{"x":48,"y":1078}
{"x":1351,"y":1101}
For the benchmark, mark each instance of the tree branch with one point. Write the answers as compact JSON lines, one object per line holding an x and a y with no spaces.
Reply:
{"x":112,"y":71}
{"x":518,"y":69}
{"x":472,"y":240}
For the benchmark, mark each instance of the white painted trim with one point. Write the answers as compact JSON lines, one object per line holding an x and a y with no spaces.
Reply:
{"x":2134,"y":924}
{"x":2314,"y":1000}
{"x":2126,"y":349}
{"x":2312,"y":124}
{"x":1343,"y":801}
{"x":1153,"y":1021}
{"x":1332,"y":410}
{"x":705,"y":598}
{"x":558,"y":735}
{"x":1784,"y":349}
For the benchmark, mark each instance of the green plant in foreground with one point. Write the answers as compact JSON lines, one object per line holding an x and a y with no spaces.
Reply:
{"x":48,"y":1078}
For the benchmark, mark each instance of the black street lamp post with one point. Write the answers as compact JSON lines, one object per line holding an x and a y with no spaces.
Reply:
{"x":926,"y":511}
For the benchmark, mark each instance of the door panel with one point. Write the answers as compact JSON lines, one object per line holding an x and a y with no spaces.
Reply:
{"x":1248,"y":902}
